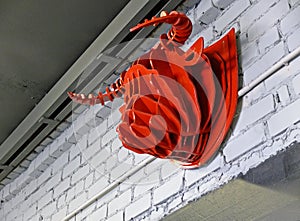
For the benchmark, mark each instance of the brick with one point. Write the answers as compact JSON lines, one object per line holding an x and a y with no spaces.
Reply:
{"x":89,"y":180}
{"x":109,"y":136}
{"x":70,"y":194}
{"x":60,"y":214}
{"x":60,"y":162}
{"x":28,"y":213}
{"x":90,"y":151}
{"x":168,"y":188}
{"x":71,"y":167}
{"x":48,"y":210}
{"x":99,"y":185}
{"x":117,"y":217}
{"x":222,"y":4}
{"x":256,"y":93}
{"x":80,"y":173}
{"x":138,"y":207}
{"x":122,"y":154}
{"x":46,"y":175}
{"x":268,"y":20}
{"x":75,"y":151}
{"x":294,"y":2}
{"x":99,"y":214}
{"x":257,"y":10}
{"x":282,"y":75}
{"x":249,"y":54}
{"x":120,"y":170}
{"x":254,"y":113}
{"x":268,"y":39}
{"x":231,"y":14}
{"x":78,"y":201}
{"x":284,"y":118}
{"x":192,"y":176}
{"x":293,"y":40}
{"x":245,"y":142}
{"x":93,"y":136}
{"x":79,"y":187}
{"x":61,"y":187}
{"x":265,"y":62}
{"x":47,"y":198}
{"x":61,"y":201}
{"x":119,"y":202}
{"x":296,"y":84}
{"x":289,"y":22}
{"x":54,"y":181}
{"x":206,"y":12}
{"x":168,"y":169}
{"x":99,"y":158}
{"x":283,"y":95}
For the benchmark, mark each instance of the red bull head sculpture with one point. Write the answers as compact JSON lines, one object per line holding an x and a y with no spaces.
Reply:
{"x":177,"y":104}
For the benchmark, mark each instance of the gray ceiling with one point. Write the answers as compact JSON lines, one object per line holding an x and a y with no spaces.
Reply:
{"x":39,"y":41}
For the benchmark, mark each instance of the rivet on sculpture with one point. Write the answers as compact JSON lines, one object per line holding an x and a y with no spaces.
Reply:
{"x":178,"y":104}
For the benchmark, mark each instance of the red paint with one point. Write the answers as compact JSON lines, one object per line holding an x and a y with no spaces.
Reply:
{"x":177,"y":105}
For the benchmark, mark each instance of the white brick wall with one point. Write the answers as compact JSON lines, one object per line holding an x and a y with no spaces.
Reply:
{"x":87,"y":156}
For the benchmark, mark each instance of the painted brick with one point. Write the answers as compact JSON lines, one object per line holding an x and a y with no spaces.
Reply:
{"x":192,"y":176}
{"x":168,"y":189}
{"x":264,"y":63}
{"x":89,"y":180}
{"x":116,"y":217}
{"x":249,"y":54}
{"x":60,"y":162}
{"x":47,"y":198}
{"x":222,"y":4}
{"x":99,"y":158}
{"x":61,"y":187}
{"x":168,"y":169}
{"x":79,"y":187}
{"x":109,"y":136}
{"x":30,"y":212}
{"x":99,"y":185}
{"x":71,"y":167}
{"x":254,"y":113}
{"x":206,"y":12}
{"x":268,"y":39}
{"x":60,"y":214}
{"x":296,"y":84}
{"x":54,"y":181}
{"x":70,"y":194}
{"x":294,"y":2}
{"x":119,"y":202}
{"x":93,"y":135}
{"x":80,"y":173}
{"x":91,"y":150}
{"x":119,"y":171}
{"x":122,"y":154}
{"x":257,"y":10}
{"x":138,"y":207}
{"x":256,"y":93}
{"x":250,"y":139}
{"x":283,"y":95}
{"x":48,"y":210}
{"x":284,"y":118}
{"x":293,"y":40}
{"x":99,"y":213}
{"x":291,"y":21}
{"x":74,"y":152}
{"x":78,"y":201}
{"x":61,"y":201}
{"x":46,"y":175}
{"x":231,"y":14}
{"x":268,"y":20}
